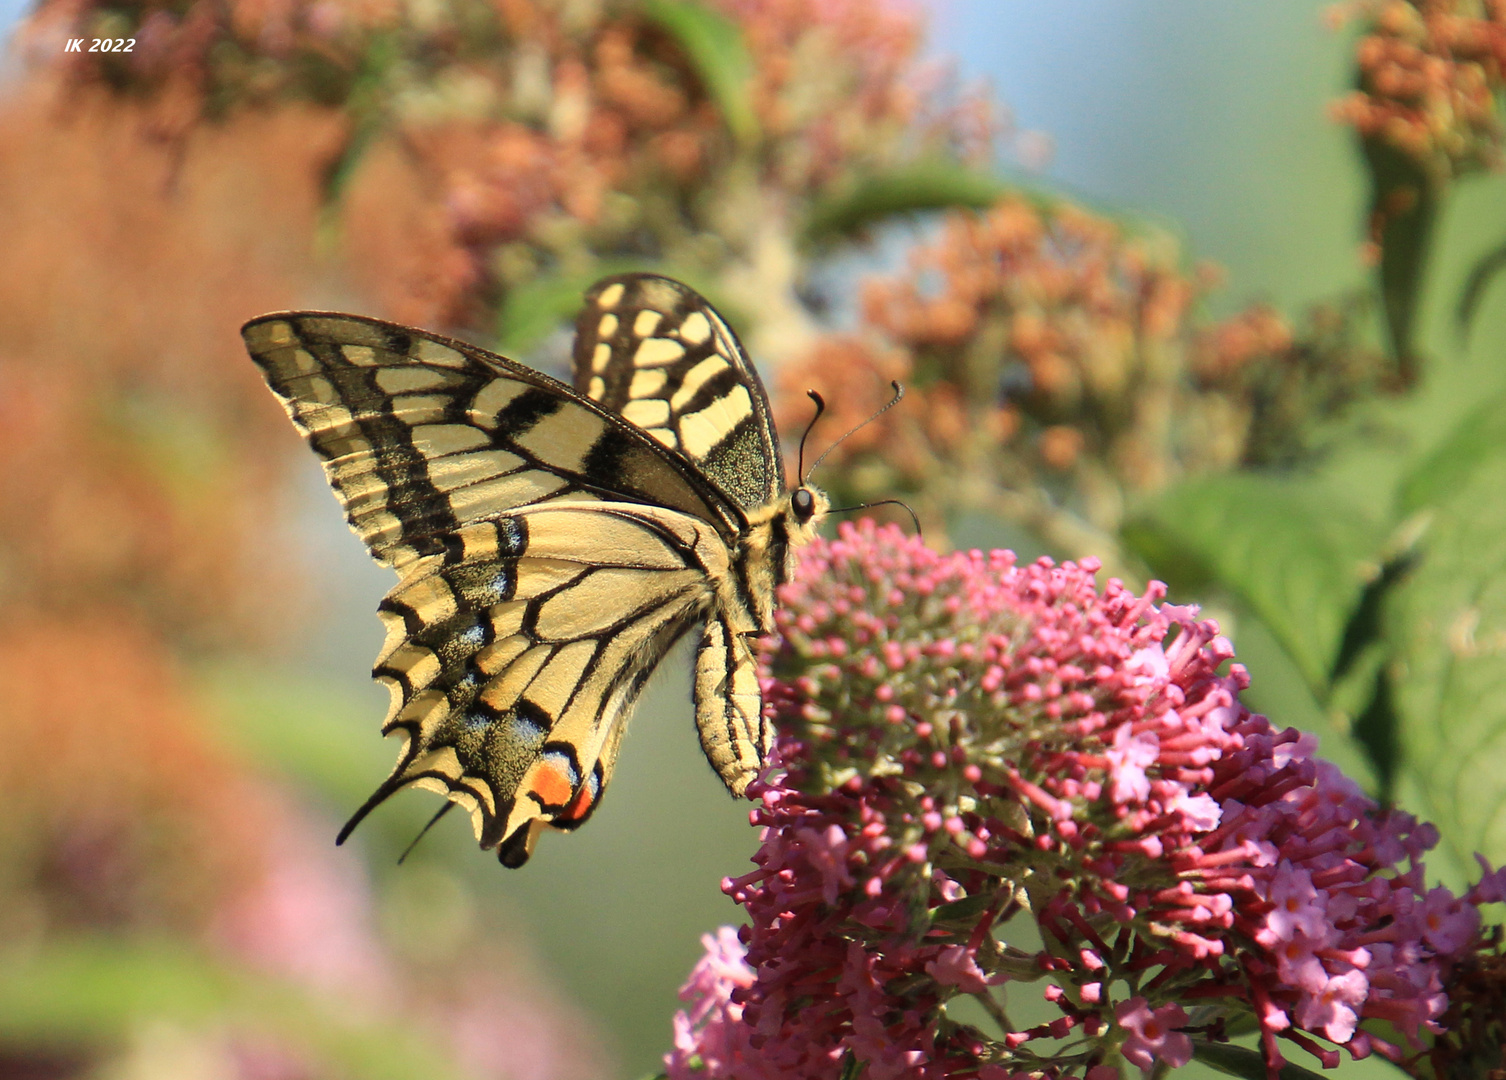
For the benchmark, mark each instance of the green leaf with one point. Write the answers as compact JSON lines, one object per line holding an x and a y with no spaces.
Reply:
{"x":1404,"y":205}
{"x":1244,"y":1062}
{"x":965,"y":911}
{"x":365,"y":128}
{"x":88,"y":990}
{"x":852,"y":1067}
{"x":532,"y":311}
{"x":365,"y":104}
{"x":1476,"y":439}
{"x":1290,"y":551}
{"x":714,"y":45}
{"x":1480,"y":276}
{"x":1448,"y":624}
{"x":934,"y":184}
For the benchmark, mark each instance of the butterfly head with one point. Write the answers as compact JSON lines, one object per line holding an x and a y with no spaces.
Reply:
{"x":796,"y":524}
{"x":767,"y":550}
{"x":808,"y":505}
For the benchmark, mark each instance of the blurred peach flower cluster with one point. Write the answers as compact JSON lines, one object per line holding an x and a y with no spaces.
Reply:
{"x":549,"y":137}
{"x":1055,"y":369}
{"x":1036,"y":339}
{"x":1430,"y":80}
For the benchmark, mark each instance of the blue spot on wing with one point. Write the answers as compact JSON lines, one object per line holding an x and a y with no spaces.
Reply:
{"x":529,"y":727}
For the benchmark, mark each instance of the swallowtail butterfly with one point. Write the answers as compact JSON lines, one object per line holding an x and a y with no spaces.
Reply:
{"x":551,"y":543}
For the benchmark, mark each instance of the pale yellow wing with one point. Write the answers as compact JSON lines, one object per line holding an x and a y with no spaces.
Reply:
{"x":513,"y":672}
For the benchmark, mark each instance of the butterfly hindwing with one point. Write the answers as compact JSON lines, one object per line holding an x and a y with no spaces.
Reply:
{"x":421,"y":435}
{"x":654,"y":351}
{"x":513,"y":671}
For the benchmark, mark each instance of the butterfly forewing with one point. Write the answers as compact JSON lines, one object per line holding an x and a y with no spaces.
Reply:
{"x":421,"y":435}
{"x":654,"y":351}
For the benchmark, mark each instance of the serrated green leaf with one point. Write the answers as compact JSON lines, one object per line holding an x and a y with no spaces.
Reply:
{"x":714,"y":45}
{"x":1284,"y":548}
{"x":91,"y":989}
{"x":1244,"y":1062}
{"x":1448,"y":623}
{"x":1479,"y":437}
{"x":934,"y":184}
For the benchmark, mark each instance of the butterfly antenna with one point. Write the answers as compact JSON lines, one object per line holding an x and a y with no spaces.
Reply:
{"x":899,"y":392}
{"x":443,"y":810}
{"x":881,"y":502}
{"x":820,"y":408}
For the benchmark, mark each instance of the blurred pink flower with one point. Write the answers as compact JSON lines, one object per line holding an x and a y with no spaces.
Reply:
{"x":711,"y":1035}
{"x":308,"y":917}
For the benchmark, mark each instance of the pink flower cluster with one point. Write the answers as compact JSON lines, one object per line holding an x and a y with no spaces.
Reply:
{"x":965,"y":740}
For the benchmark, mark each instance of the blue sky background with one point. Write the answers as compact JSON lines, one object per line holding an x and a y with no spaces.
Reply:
{"x":1208,"y":118}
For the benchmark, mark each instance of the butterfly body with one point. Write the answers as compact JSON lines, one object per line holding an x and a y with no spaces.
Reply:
{"x":551,"y":543}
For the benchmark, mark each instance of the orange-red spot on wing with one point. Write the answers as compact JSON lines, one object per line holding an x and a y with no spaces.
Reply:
{"x":581,"y":806}
{"x":551,"y":784}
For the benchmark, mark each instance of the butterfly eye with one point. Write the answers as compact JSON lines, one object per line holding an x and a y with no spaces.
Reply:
{"x":804,"y":504}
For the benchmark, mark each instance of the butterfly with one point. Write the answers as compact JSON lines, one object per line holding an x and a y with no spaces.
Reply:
{"x":551,"y":543}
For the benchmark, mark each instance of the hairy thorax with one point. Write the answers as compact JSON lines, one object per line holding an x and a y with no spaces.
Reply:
{"x":765,"y":559}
